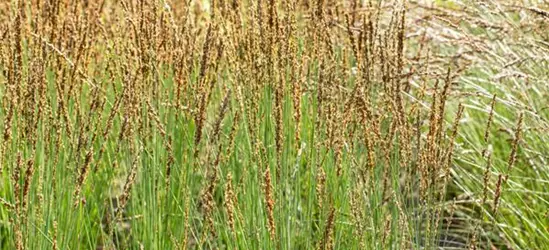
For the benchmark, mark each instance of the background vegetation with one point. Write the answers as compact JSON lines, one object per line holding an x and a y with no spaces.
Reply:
{"x":274,"y":124}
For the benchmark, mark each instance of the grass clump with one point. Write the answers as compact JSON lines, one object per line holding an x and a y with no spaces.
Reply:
{"x":272,"y":125}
